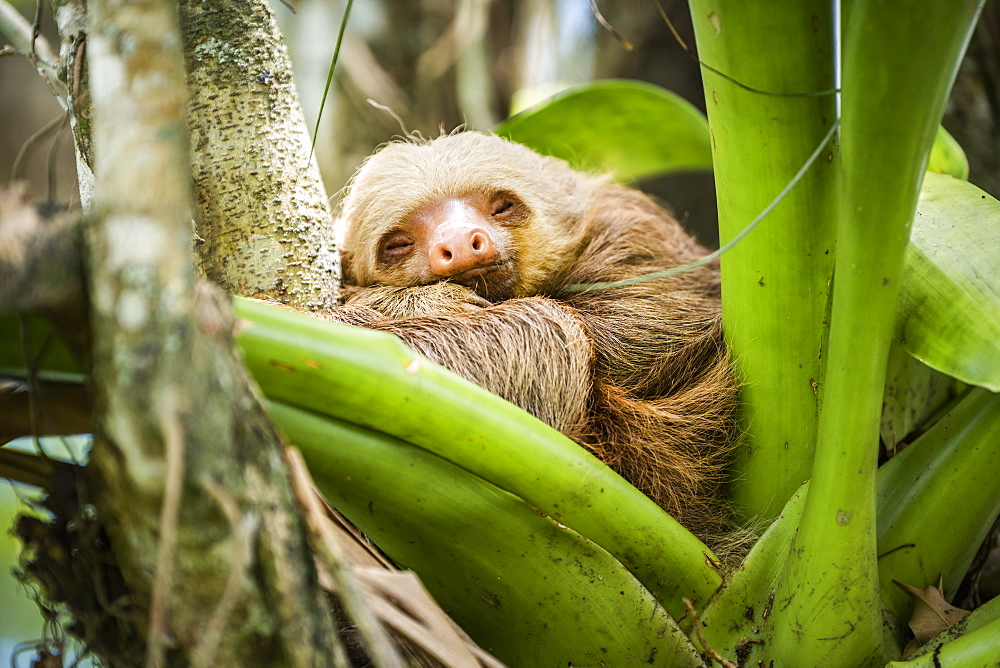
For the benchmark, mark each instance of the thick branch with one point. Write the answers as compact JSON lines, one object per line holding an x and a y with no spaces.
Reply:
{"x":264,"y":221}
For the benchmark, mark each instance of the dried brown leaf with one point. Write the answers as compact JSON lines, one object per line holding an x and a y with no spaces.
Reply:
{"x":931,"y":614}
{"x":397,"y":599}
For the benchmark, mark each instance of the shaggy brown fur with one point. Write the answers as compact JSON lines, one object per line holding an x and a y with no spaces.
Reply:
{"x":638,"y":375}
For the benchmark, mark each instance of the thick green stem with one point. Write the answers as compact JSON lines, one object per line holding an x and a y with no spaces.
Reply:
{"x":776,"y":281}
{"x":899,"y":62}
{"x":525,"y":587}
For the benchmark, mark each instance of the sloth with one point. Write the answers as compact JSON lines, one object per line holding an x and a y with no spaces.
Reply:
{"x":472,"y":249}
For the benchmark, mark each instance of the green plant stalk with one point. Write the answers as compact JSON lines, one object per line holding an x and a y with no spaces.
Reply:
{"x":918,"y":526}
{"x":371,"y":379}
{"x":956,"y":453}
{"x":776,"y":281}
{"x":899,"y":62}
{"x":529,"y":590}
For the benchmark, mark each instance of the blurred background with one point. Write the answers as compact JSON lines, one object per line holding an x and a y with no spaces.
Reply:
{"x":441,"y":64}
{"x":438,"y":65}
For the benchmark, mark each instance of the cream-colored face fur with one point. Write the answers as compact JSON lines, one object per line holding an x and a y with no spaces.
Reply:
{"x":406,"y":176}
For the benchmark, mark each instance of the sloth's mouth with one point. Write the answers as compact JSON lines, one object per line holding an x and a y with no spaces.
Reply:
{"x":493,"y":282}
{"x":470,"y":274}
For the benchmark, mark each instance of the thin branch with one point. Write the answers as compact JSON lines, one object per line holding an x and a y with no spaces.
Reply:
{"x":50,"y":165}
{"x":696,"y":624}
{"x":19,"y":31}
{"x":34,"y":47}
{"x":627,"y":45}
{"x":16,"y":171}
{"x":36,"y":25}
{"x":169,"y":419}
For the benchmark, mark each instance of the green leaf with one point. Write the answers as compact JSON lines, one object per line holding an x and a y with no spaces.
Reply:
{"x":914,"y":393}
{"x":949,"y":303}
{"x":947,"y":156}
{"x":938,"y":498}
{"x":629,"y":128}
{"x":529,"y":590}
{"x":744,"y":602}
{"x":371,"y":379}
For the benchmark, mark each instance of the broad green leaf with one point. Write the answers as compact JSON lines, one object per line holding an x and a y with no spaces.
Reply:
{"x":949,"y":302}
{"x":947,"y":156}
{"x":628,"y":128}
{"x":529,"y":590}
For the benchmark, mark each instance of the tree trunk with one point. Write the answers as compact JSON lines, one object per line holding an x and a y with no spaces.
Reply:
{"x":213,"y":552}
